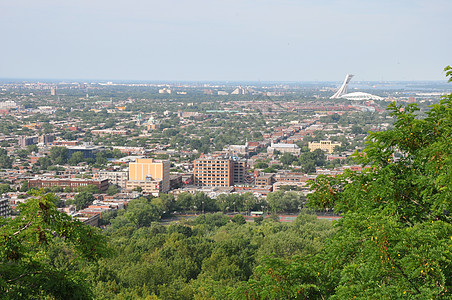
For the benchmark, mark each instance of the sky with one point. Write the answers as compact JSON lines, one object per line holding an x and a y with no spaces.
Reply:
{"x":213,"y":40}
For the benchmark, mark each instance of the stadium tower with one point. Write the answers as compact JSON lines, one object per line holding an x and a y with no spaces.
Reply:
{"x":343,"y":89}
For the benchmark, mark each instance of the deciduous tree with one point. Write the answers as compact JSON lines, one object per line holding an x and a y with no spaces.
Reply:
{"x":26,"y":268}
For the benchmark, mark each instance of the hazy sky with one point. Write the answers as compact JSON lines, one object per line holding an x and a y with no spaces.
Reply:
{"x":268,"y":40}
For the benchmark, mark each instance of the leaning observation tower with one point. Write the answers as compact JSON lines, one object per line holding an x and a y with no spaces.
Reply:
{"x":343,"y":89}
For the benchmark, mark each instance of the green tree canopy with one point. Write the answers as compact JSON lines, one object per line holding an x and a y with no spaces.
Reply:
{"x":44,"y":162}
{"x":6,"y":162}
{"x":261,"y":165}
{"x":23,"y":186}
{"x":5,"y":188}
{"x":76,"y":158}
{"x":239,"y":219}
{"x":184,"y":201}
{"x":287,"y":158}
{"x":26,"y":265}
{"x":83,"y":199}
{"x":112,"y":189}
{"x":59,"y":155}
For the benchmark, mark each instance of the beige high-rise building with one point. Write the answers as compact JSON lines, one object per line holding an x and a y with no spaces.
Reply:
{"x":146,"y":170}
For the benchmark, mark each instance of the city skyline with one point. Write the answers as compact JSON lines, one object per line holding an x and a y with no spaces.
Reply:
{"x":278,"y":41}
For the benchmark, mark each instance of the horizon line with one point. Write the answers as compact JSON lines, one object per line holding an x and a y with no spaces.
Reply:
{"x":98,"y":80}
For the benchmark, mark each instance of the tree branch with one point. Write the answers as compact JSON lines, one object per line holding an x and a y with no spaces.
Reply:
{"x":22,"y":229}
{"x":23,"y":275}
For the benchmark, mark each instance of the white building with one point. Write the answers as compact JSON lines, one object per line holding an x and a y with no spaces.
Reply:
{"x":117,"y":178}
{"x":8,"y":104}
{"x":284,"y":148}
{"x":164,"y":91}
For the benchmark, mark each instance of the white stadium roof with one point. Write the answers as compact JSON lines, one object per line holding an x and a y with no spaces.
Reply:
{"x":357,"y":96}
{"x":360,"y":96}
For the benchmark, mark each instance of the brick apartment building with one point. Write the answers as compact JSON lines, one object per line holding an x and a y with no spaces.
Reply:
{"x":219,"y":171}
{"x":213,"y":171}
{"x":102,"y":185}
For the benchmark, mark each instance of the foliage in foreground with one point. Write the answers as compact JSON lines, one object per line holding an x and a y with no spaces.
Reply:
{"x":204,"y":258}
{"x":42,"y":252}
{"x":395,"y":237}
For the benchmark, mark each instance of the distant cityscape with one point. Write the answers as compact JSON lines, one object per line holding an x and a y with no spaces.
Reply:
{"x":130,"y":139}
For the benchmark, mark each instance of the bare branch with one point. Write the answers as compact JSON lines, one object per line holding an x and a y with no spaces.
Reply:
{"x":22,"y":229}
{"x":23,"y":275}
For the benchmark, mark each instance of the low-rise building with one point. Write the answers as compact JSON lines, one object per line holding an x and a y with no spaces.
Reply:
{"x":89,"y":151}
{"x":284,"y":148}
{"x":264,"y":180}
{"x":110,"y":131}
{"x":292,"y":177}
{"x":236,"y":150}
{"x":298,"y":186}
{"x":187,"y":179}
{"x":88,"y":219}
{"x":130,"y":150}
{"x":153,"y":187}
{"x":175,"y":181}
{"x":118,"y":178}
{"x":72,"y":183}
{"x":256,"y":191}
{"x":327,"y":146}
